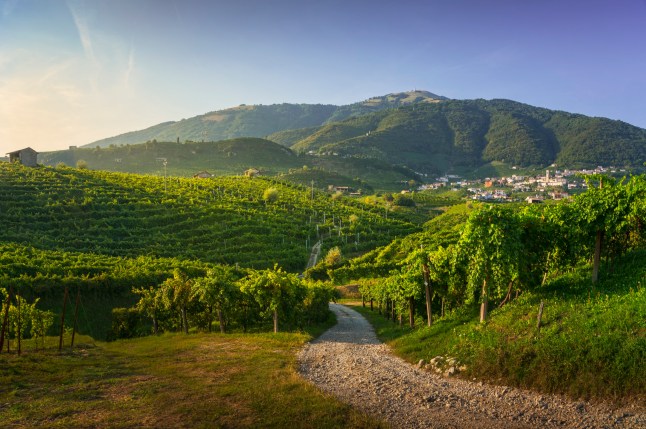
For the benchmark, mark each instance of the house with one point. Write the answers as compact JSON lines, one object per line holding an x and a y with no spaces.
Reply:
{"x":534,"y":200}
{"x":202,"y":175}
{"x":26,"y":157}
{"x":342,"y":188}
{"x":252,"y":172}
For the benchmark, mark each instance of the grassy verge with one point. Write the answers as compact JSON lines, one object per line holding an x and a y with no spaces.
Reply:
{"x":591,"y":344}
{"x":172,"y":380}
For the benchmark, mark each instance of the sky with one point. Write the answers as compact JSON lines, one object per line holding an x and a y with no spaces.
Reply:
{"x":73,"y":72}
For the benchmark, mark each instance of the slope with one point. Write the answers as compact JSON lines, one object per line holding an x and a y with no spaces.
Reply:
{"x":261,"y":120}
{"x":466,"y":134}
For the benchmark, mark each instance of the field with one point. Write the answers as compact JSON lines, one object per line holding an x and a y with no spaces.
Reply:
{"x":201,"y":380}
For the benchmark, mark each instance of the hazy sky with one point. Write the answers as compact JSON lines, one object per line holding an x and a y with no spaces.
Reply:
{"x":72,"y":72}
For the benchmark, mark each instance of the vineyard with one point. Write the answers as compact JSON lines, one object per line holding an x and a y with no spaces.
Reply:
{"x":222,"y":220}
{"x":109,"y":233}
{"x":145,"y":254}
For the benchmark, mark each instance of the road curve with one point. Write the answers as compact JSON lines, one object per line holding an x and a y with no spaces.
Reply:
{"x":349,"y":362}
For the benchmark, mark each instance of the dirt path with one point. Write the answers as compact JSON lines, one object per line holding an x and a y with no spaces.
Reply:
{"x":349,"y":362}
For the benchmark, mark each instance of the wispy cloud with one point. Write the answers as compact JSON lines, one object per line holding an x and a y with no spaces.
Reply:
{"x":83,"y":28}
{"x":130,"y":67}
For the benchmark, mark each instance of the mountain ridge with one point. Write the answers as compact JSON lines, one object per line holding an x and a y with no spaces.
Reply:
{"x":262,"y":120}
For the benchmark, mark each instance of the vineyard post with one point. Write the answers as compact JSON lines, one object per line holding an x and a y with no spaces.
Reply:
{"x":427,"y":290}
{"x":5,"y":319}
{"x":60,"y":340}
{"x":19,"y":333}
{"x":411,"y":311}
{"x":76,"y":311}
{"x":540,"y":316}
{"x":485,"y":300}
{"x":220,"y":320}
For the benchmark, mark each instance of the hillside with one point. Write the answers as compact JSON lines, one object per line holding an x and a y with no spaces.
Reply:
{"x":219,"y":220}
{"x":233,"y":157}
{"x":458,"y":135}
{"x":261,"y":120}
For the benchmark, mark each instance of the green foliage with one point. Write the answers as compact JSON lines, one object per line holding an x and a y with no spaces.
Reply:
{"x":270,"y":195}
{"x":333,"y":257}
{"x":279,"y":294}
{"x":470,"y":133}
{"x":24,"y":319}
{"x":403,"y":200}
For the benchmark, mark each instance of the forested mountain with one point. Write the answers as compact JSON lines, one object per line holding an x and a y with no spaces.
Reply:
{"x":416,"y":129}
{"x":260,"y":120}
{"x":468,"y":133}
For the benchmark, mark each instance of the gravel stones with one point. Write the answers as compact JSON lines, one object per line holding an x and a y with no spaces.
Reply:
{"x":349,"y":362}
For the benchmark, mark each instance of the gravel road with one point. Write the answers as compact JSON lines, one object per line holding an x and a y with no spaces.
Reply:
{"x":349,"y":362}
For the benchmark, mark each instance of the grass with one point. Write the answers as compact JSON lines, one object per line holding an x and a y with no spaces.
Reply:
{"x":172,"y":380}
{"x":591,"y":344}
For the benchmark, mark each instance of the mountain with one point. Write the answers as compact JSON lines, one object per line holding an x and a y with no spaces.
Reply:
{"x":417,"y":130}
{"x":260,"y":121}
{"x":438,"y":137}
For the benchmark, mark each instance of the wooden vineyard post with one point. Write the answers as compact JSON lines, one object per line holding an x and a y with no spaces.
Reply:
{"x":540,"y":316}
{"x":5,"y":319}
{"x":60,"y":340}
{"x":427,"y":292}
{"x":76,"y":312}
{"x":19,"y":333}
{"x":411,"y":312}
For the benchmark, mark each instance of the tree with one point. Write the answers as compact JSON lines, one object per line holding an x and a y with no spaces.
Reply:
{"x":490,"y":244}
{"x":418,"y":261}
{"x":176,"y":294}
{"x":270,"y":195}
{"x":81,"y":164}
{"x":276,"y":291}
{"x":216,"y":290}
{"x":333,"y":257}
{"x":150,"y":304}
{"x":606,"y":212}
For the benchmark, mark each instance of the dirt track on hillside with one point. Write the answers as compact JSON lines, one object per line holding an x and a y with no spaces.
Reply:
{"x":349,"y":362}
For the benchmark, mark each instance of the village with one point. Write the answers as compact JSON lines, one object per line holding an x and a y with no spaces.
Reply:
{"x":553,"y":185}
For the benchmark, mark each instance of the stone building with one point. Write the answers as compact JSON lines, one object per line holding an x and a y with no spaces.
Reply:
{"x":27,"y":157}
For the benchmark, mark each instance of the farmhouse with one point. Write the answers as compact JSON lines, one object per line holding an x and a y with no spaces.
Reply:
{"x":26,"y":157}
{"x":202,"y":175}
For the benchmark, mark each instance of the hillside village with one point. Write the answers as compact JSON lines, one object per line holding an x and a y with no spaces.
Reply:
{"x":553,"y":185}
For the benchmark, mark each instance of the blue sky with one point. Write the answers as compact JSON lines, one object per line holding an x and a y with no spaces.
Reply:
{"x":72,"y":72}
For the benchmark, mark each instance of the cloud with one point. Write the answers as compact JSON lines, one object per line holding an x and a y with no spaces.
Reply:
{"x":130,"y":67}
{"x":83,"y":28}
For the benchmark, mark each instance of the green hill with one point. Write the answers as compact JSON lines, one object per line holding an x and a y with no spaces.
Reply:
{"x":260,"y":120}
{"x":465,"y":134}
{"x":218,"y":220}
{"x":232,"y":157}
{"x":228,"y":157}
{"x":105,"y":233}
